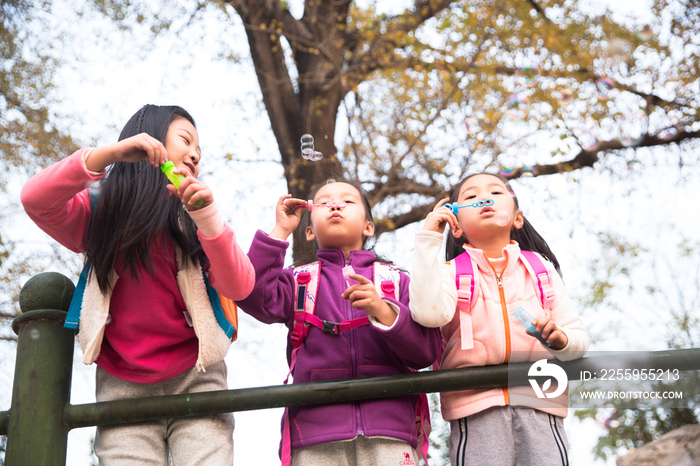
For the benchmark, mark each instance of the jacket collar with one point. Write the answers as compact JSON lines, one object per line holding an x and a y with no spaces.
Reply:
{"x":359,"y":258}
{"x":511,"y":252}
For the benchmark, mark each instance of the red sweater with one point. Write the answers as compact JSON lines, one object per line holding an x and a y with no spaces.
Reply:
{"x":147,"y":339}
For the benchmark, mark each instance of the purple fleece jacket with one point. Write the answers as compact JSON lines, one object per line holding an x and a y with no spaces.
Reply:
{"x":362,"y":352}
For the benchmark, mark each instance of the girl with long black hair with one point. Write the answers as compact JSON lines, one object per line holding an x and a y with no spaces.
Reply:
{"x":147,"y":305}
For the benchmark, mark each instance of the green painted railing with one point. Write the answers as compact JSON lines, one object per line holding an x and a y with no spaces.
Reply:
{"x":41,"y":413}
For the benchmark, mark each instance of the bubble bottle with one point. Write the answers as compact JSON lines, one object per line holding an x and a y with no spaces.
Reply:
{"x":168,"y":168}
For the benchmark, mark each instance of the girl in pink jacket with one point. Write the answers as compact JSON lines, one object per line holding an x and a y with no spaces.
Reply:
{"x":154,"y":253}
{"x":501,"y":426}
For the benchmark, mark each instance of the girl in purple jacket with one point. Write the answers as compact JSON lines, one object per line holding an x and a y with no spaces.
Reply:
{"x":369,"y":432}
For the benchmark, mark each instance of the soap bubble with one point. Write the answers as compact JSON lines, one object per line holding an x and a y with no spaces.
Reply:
{"x":516,"y":100}
{"x":634,"y":165}
{"x":504,"y":171}
{"x":34,"y":334}
{"x":527,"y":171}
{"x":645,"y":34}
{"x":588,"y":141}
{"x":669,"y":132}
{"x":308,"y":150}
{"x":530,"y":74}
{"x":502,"y":218}
{"x":516,"y":108}
{"x":565,"y":96}
{"x":604,"y":85}
{"x":633,"y":130}
{"x":471,"y":125}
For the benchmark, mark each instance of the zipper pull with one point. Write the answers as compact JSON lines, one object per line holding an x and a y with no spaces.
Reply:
{"x":500,"y":282}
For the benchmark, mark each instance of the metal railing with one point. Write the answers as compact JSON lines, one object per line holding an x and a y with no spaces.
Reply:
{"x":40,"y":416}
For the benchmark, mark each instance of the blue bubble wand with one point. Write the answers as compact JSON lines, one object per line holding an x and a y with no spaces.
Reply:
{"x":455,"y":207}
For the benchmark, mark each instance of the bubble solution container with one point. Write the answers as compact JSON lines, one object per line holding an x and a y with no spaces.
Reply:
{"x":168,"y":167}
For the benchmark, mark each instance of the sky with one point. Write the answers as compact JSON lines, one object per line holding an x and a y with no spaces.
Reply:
{"x":108,"y":79}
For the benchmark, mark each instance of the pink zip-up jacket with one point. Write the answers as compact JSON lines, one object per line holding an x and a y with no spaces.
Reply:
{"x":57,"y":200}
{"x":498,"y":337}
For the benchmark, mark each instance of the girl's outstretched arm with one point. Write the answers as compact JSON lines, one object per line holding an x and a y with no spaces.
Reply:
{"x":271,"y":300}
{"x":57,"y":200}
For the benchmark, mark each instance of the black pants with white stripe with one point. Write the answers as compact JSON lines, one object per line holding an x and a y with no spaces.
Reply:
{"x":508,"y":435}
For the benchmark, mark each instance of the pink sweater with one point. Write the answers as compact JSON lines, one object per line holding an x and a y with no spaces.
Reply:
{"x":148,"y":339}
{"x":498,"y":336}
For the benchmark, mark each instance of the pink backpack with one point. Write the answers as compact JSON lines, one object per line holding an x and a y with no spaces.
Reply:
{"x":306,"y":277}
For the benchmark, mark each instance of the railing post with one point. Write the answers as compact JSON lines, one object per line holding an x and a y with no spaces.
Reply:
{"x":37,"y":434}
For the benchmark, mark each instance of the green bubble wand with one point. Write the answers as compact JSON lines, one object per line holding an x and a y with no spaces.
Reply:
{"x":175,"y":178}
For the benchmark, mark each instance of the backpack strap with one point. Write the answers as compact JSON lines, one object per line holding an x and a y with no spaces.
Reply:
{"x":76,"y":303}
{"x":540,"y":277}
{"x":225,"y":310}
{"x":465,"y":279}
{"x":386,"y":280}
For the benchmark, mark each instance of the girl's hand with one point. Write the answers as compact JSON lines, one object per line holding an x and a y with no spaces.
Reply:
{"x":555,"y":336}
{"x":191,"y":190}
{"x":439,"y":217}
{"x":364,"y":296}
{"x":287,"y":216}
{"x":133,"y":149}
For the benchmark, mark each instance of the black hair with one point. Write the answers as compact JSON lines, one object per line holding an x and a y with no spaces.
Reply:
{"x":527,"y":237}
{"x":309,"y":253}
{"x":134,"y":208}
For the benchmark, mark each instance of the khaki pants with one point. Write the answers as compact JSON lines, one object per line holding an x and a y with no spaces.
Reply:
{"x":197,"y":441}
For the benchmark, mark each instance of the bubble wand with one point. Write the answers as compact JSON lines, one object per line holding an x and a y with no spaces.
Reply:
{"x":175,"y":178}
{"x":332,"y":205}
{"x":455,"y":207}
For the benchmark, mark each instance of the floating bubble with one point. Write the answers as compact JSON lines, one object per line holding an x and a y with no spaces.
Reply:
{"x":502,"y":218}
{"x":516,"y":100}
{"x":308,"y":151}
{"x":471,"y":124}
{"x":634,"y":165}
{"x":633,"y":130}
{"x":527,"y":171}
{"x":588,"y":141}
{"x":506,"y":171}
{"x":34,"y":334}
{"x":604,"y":85}
{"x":530,"y":74}
{"x":645,"y":34}
{"x":565,"y":96}
{"x":514,"y":115}
{"x":667,"y":133}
